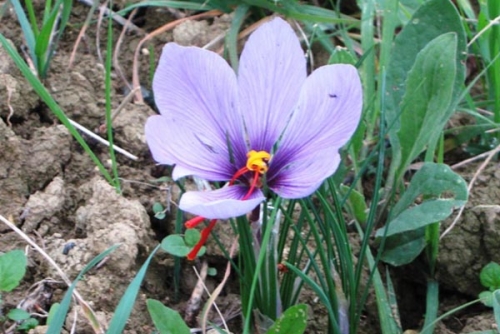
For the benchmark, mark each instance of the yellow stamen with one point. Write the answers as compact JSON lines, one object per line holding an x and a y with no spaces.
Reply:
{"x":258,"y":161}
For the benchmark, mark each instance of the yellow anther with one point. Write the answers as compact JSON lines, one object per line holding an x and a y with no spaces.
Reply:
{"x":258,"y":161}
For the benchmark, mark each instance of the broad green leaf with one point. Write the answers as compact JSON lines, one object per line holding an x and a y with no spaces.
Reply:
{"x":212,"y":271}
{"x":486,"y":298}
{"x":192,"y":236}
{"x":490,"y":276}
{"x":12,"y":269}
{"x":419,"y":216}
{"x":429,"y":92}
{"x":342,"y":56}
{"x":166,"y":320}
{"x":442,"y":191}
{"x":28,"y":324}
{"x":402,"y":248}
{"x":432,"y":180}
{"x":18,"y":314}
{"x":157,"y":207}
{"x":356,"y":203}
{"x":292,"y":321}
{"x":174,"y":244}
{"x":433,"y":19}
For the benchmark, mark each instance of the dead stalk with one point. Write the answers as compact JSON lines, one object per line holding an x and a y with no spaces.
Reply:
{"x":194,"y":302}
{"x":9,"y":105}
{"x":116,"y":62}
{"x":166,"y":27}
{"x":217,"y":291}
{"x":114,"y":16}
{"x":82,"y":32}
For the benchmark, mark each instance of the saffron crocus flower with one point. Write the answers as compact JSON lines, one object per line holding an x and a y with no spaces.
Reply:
{"x":269,"y":123}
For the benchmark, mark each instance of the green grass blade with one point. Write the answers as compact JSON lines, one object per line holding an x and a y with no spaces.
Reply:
{"x":319,"y":292}
{"x":259,"y":265}
{"x":28,"y":33}
{"x":42,"y":42}
{"x":124,"y":308}
{"x":64,"y":17}
{"x":496,"y":306}
{"x":108,"y":88}
{"x":32,"y":16}
{"x":431,"y":309}
{"x":232,"y":35}
{"x":57,"y":321}
{"x":170,"y":4}
{"x":51,"y":103}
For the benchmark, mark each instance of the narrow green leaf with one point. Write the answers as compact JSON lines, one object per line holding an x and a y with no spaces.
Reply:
{"x":166,"y":320}
{"x":292,"y":321}
{"x":57,"y":322}
{"x":12,"y":269}
{"x":124,"y":308}
{"x":496,"y":306}
{"x":52,"y":312}
{"x":357,"y":203}
{"x":28,"y":33}
{"x":43,"y":40}
{"x":239,"y":15}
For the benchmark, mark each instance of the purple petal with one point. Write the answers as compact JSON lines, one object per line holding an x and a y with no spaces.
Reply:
{"x":196,"y":92}
{"x":328,"y":111}
{"x":302,"y":177}
{"x":222,"y":203}
{"x":326,"y":117}
{"x":271,"y":73}
{"x":172,"y":143}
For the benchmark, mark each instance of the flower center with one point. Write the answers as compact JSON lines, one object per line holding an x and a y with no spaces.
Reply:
{"x":258,"y":164}
{"x":258,"y":161}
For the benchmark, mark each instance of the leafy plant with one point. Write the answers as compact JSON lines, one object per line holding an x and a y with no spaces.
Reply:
{"x":180,"y":246}
{"x":490,"y":279}
{"x":12,"y":269}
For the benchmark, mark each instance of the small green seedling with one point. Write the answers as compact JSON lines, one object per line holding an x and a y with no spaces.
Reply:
{"x":159,"y":211}
{"x":212,"y":271}
{"x":490,"y":279}
{"x":166,"y":320}
{"x":12,"y":270}
{"x":180,"y":246}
